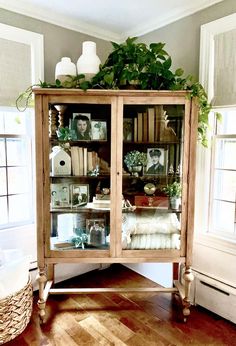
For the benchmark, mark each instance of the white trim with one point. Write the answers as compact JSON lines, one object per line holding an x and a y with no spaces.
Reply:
{"x":214,"y":242}
{"x":206,"y":64}
{"x":34,"y":40}
{"x":32,"y":10}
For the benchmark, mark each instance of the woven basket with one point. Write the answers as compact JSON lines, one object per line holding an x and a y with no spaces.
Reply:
{"x":15,"y":313}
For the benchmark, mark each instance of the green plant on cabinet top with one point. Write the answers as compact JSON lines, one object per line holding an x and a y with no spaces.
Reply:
{"x":136,"y":65}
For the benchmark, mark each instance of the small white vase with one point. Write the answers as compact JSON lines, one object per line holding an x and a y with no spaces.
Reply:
{"x":63,"y":68}
{"x":88,"y":63}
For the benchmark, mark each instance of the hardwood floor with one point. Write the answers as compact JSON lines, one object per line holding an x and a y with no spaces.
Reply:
{"x":121,"y":319}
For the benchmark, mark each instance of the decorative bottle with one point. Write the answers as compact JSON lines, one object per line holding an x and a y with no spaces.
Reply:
{"x":64,"y":68}
{"x":88,"y":63}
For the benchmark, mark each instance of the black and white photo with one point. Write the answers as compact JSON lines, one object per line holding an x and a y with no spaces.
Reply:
{"x":79,"y":195}
{"x":99,"y":130}
{"x":156,"y":161}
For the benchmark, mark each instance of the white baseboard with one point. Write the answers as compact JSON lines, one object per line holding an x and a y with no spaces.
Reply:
{"x":160,"y":273}
{"x":215,"y":296}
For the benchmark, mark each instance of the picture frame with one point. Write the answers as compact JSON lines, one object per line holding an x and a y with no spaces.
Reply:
{"x":157,"y":161}
{"x":79,"y":195}
{"x":99,"y":130}
{"x":80,"y":126}
{"x":96,"y":231}
{"x":88,"y":115}
{"x":60,"y":195}
{"x":128,"y":128}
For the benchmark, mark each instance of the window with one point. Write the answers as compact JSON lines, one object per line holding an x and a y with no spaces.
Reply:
{"x":222,"y":215}
{"x":21,"y":65}
{"x":216,"y":166}
{"x":16,"y":174}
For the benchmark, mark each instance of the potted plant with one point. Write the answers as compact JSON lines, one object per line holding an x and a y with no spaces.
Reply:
{"x":135,"y":160}
{"x":138,"y":65}
{"x":173,"y":191}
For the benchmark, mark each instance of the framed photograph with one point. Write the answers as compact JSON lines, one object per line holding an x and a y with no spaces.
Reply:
{"x":79,"y":195}
{"x":128,"y":127}
{"x":156,"y":161}
{"x":80,"y":126}
{"x":88,"y":115}
{"x":99,"y":130}
{"x":95,"y":229}
{"x":60,"y":195}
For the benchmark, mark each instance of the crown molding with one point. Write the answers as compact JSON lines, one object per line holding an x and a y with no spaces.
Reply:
{"x":67,"y":22}
{"x":171,"y":17}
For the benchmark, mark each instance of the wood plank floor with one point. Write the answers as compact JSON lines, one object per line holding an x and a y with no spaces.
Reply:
{"x":122,"y":319}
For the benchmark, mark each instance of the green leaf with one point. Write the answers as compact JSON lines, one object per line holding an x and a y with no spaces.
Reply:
{"x":179,"y":72}
{"x":167,"y":63}
{"x":58,"y":83}
{"x":108,"y":78}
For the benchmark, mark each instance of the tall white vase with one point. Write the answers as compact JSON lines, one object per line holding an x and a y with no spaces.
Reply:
{"x":63,"y":68}
{"x":88,"y":63}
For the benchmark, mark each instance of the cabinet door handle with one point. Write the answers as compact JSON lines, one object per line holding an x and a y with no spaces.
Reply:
{"x":118,"y":173}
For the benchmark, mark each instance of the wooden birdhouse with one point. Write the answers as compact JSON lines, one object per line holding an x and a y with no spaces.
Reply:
{"x":60,"y":162}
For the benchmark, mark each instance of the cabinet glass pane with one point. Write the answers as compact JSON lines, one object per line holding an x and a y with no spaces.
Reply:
{"x":80,"y":178}
{"x":152,"y":162}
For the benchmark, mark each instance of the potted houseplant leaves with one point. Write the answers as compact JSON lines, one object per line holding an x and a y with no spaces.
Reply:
{"x":135,"y":160}
{"x":173,"y":191}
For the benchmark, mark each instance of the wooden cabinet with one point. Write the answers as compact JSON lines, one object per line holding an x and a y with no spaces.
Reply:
{"x":103,"y":210}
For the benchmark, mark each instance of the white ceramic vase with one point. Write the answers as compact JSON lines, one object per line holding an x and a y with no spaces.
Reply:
{"x":63,"y":68}
{"x":88,"y":63}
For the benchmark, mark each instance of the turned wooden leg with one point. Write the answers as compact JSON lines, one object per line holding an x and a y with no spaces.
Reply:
{"x":188,"y":277}
{"x":41,"y":302}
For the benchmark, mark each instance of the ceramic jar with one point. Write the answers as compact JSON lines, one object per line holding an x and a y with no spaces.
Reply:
{"x":63,"y":68}
{"x":88,"y":63}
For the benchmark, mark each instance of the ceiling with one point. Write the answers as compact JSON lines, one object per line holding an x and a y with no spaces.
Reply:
{"x":112,"y":20}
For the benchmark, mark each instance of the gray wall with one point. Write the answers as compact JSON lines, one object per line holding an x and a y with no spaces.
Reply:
{"x":182,"y":38}
{"x":58,"y":42}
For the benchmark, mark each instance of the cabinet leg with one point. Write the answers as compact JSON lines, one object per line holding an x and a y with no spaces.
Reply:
{"x":41,"y":302}
{"x":188,"y":277}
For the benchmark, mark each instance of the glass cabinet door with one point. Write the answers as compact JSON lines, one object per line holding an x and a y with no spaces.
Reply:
{"x":80,"y":161}
{"x":152,"y":176}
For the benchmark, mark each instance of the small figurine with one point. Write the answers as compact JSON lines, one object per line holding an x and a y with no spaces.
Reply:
{"x":171,"y":170}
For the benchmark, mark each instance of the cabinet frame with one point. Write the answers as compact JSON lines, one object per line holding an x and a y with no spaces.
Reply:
{"x":115,"y":254}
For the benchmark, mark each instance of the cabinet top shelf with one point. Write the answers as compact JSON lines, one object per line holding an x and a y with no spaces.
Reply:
{"x":109,"y":92}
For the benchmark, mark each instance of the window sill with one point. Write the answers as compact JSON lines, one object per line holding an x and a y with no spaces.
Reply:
{"x":216,"y":242}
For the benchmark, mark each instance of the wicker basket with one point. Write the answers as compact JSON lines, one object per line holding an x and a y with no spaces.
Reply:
{"x":15,"y":313}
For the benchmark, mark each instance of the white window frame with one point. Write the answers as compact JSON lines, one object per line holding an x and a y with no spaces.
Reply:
{"x":206,"y":78}
{"x":24,"y":237}
{"x":35,"y":41}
